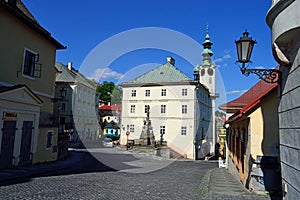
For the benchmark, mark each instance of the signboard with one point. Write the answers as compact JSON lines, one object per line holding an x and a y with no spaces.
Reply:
{"x":127,"y":133}
{"x":9,"y":116}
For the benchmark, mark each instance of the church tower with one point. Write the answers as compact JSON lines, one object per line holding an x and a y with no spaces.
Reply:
{"x":206,"y":70}
{"x":205,"y":74}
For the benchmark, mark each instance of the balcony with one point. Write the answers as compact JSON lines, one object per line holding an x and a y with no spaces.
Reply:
{"x":283,"y":19}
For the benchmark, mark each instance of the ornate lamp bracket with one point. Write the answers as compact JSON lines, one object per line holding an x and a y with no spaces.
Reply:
{"x":267,"y":75}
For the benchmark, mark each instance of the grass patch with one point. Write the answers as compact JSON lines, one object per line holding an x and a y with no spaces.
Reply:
{"x":203,"y":187}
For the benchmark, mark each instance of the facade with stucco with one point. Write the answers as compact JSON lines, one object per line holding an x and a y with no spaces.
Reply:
{"x":180,"y":109}
{"x":253,"y":139}
{"x":27,"y":60}
{"x":78,"y":110}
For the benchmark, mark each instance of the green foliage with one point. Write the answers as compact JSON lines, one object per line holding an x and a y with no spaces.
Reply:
{"x":109,"y":92}
{"x":219,"y":113}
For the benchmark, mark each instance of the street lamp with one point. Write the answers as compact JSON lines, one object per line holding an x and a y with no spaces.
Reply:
{"x":244,"y":47}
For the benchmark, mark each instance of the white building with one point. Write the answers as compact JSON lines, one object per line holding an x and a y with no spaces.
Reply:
{"x":180,"y":109}
{"x":79,"y":107}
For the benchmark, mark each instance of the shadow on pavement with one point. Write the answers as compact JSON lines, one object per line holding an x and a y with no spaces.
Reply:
{"x":76,"y":163}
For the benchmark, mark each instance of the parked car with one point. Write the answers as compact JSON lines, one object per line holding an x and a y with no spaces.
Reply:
{"x":107,"y":142}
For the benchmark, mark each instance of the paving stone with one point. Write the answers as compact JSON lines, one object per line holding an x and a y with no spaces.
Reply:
{"x":88,"y":179}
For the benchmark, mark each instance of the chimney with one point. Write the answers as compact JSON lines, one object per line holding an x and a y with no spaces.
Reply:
{"x":171,"y":60}
{"x":69,"y":65}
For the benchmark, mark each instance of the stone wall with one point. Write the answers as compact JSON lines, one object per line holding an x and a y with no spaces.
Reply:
{"x":289,"y":123}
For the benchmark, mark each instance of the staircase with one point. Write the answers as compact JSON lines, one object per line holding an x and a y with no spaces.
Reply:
{"x":175,"y":155}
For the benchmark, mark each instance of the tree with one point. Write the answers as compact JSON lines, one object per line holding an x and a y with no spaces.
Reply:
{"x":110,"y":93}
{"x":220,"y":114}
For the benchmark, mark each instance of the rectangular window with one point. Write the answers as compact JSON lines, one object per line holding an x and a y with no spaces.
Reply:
{"x":162,"y":130}
{"x":184,"y":109}
{"x":162,"y":108}
{"x":146,"y":108}
{"x":30,"y":66}
{"x":131,"y":128}
{"x":63,"y":106}
{"x":132,"y":109}
{"x":133,"y":93}
{"x":147,"y":93}
{"x":183,"y":130}
{"x":163,"y":92}
{"x":49,"y":139}
{"x":184,"y":92}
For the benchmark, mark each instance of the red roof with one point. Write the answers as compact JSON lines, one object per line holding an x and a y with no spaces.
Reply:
{"x":111,"y":107}
{"x":251,"y":98}
{"x":251,"y":95}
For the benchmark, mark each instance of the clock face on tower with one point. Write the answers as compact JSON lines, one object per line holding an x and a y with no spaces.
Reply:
{"x":202,"y":72}
{"x":210,"y":71}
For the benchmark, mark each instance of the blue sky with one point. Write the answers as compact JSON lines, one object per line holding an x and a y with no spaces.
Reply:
{"x":83,"y":25}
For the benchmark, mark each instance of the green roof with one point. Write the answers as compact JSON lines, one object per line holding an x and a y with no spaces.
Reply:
{"x":166,"y":73}
{"x":70,"y":76}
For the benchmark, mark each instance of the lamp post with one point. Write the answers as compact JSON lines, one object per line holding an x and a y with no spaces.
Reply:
{"x":244,"y":47}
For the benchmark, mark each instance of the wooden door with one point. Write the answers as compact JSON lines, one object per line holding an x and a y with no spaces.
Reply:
{"x":7,"y":144}
{"x":25,"y":154}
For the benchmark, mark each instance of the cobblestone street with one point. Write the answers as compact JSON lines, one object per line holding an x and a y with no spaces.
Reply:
{"x":89,"y":179}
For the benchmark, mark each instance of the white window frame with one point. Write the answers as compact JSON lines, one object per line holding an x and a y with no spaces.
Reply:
{"x":184,"y":109}
{"x":33,"y":64}
{"x":131,"y":128}
{"x":183,"y":130}
{"x":163,"y":108}
{"x":133,"y":93}
{"x":162,"y":129}
{"x":184,"y":92}
{"x":163,"y":92}
{"x":145,"y":108}
{"x":132,"y":109}
{"x":147,"y":93}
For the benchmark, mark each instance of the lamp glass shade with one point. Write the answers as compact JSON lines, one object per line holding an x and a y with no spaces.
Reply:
{"x":244,"y":48}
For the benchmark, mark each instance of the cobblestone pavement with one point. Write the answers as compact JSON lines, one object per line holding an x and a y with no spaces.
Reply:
{"x":89,"y":179}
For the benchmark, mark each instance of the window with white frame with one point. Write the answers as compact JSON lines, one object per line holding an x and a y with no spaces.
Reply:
{"x":131,"y":128}
{"x":163,"y":92}
{"x":162,"y":130}
{"x":147,"y":93}
{"x":30,"y":66}
{"x":146,"y":108}
{"x":184,"y":92}
{"x":162,"y":108}
{"x":183,"y":130}
{"x":133,"y":93}
{"x":184,"y":109}
{"x":132,"y":109}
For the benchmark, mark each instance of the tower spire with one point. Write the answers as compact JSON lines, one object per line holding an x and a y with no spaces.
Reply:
{"x":207,"y":29}
{"x":207,"y":43}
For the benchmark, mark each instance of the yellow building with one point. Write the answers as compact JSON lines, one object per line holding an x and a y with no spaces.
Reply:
{"x":27,"y":76}
{"x":253,"y":138}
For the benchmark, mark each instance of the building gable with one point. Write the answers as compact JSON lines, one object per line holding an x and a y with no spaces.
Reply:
{"x":21,"y":94}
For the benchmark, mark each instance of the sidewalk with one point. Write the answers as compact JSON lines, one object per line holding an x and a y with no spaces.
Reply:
{"x":17,"y":174}
{"x":223,"y":186}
